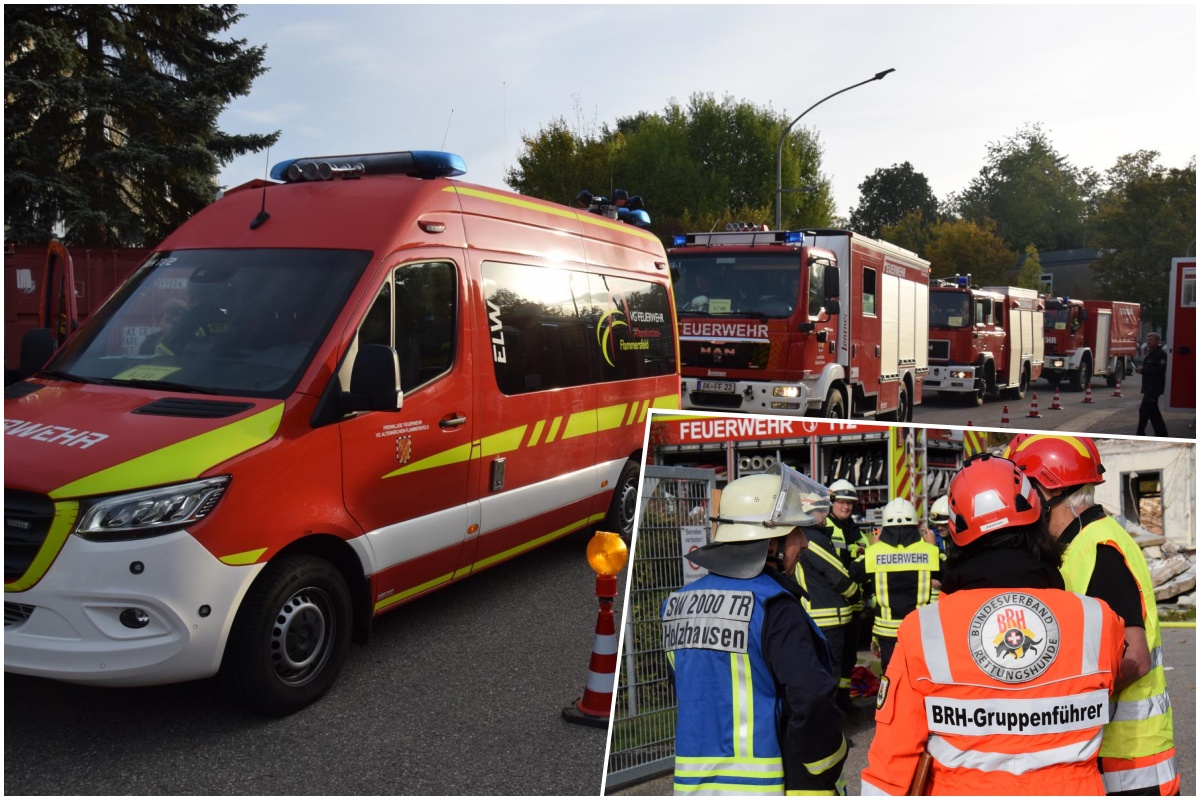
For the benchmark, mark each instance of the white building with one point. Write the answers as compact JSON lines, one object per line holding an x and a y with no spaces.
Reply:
{"x":1151,"y":482}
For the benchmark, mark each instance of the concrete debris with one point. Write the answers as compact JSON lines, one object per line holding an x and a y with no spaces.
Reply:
{"x":1172,"y":565}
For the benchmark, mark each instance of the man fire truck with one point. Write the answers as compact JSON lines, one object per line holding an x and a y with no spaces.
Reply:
{"x":983,"y":342}
{"x":824,"y":322}
{"x":1085,"y":338}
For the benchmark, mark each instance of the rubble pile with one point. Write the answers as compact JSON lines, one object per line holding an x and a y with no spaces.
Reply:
{"x":1172,"y":566}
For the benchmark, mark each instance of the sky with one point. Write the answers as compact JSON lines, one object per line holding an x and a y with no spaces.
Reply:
{"x":1101,"y":80}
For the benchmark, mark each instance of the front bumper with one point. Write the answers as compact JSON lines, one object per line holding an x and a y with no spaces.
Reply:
{"x":951,"y":379}
{"x":68,"y":626}
{"x":757,"y":397}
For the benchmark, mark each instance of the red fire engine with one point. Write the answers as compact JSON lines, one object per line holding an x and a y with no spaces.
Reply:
{"x":983,"y":342}
{"x":1085,"y":338}
{"x":797,"y":322}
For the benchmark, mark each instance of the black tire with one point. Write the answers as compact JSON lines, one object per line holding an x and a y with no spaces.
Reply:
{"x":1018,"y":392}
{"x":975,"y":398}
{"x":622,"y":511}
{"x":290,"y":637}
{"x":835,"y":406}
{"x":1117,"y":375}
{"x":1082,"y":376}
{"x":903,"y":404}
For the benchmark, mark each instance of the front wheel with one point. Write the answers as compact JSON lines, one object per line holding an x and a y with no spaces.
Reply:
{"x":622,"y":511}
{"x":835,"y":405}
{"x":290,"y":637}
{"x":1083,"y":376}
{"x":903,"y":404}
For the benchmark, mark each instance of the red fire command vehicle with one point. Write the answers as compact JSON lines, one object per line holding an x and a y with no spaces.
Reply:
{"x":1085,"y":338}
{"x":315,"y":401}
{"x":1181,"y":336}
{"x":822,"y":322}
{"x":983,"y":342}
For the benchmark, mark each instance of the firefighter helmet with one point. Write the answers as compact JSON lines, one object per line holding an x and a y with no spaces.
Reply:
{"x":843,"y":489}
{"x":990,"y":494}
{"x":899,"y":512}
{"x":940,"y":513}
{"x":755,"y":509}
{"x":1057,"y":462}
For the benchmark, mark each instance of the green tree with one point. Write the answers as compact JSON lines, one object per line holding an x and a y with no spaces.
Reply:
{"x":956,"y":247}
{"x":1145,"y":217}
{"x":695,"y":165}
{"x":1029,"y":276}
{"x":110,"y":117}
{"x":1034,"y":194}
{"x":886,"y":195}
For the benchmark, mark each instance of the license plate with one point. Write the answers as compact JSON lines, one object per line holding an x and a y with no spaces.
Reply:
{"x":722,"y":387}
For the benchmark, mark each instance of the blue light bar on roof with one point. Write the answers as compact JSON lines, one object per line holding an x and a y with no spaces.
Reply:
{"x":415,"y":163}
{"x":680,"y":241}
{"x":794,"y":237}
{"x":963,"y":280}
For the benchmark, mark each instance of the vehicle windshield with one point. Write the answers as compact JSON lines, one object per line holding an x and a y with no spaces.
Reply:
{"x":758,"y":285}
{"x":1056,"y":318}
{"x":237,"y":322}
{"x":950,"y":309}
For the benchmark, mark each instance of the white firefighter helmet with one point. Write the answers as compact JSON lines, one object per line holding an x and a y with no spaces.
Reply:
{"x":899,"y":512}
{"x":843,"y":489}
{"x":940,"y":513}
{"x":756,"y":509}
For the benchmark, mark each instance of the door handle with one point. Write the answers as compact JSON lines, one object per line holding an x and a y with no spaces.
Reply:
{"x":453,"y":421}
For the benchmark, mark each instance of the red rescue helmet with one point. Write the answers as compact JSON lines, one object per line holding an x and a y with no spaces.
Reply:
{"x":1056,"y":462}
{"x":989,"y":494}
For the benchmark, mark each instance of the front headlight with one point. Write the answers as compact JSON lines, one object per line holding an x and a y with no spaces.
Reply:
{"x":786,"y":391}
{"x":150,"y":513}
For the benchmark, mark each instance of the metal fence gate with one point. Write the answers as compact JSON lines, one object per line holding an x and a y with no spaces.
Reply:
{"x":675,"y":503}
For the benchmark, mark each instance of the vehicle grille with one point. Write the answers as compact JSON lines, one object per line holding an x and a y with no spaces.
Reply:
{"x":16,"y":613}
{"x":725,"y":355}
{"x":27,"y":519}
{"x":939,"y":349}
{"x":712,"y":400}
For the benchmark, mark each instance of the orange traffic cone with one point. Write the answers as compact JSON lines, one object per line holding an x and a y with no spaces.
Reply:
{"x":1004,"y":418}
{"x":595,"y":706}
{"x":1055,"y":405}
{"x":1117,"y":393}
{"x":1087,"y":395}
{"x":1033,"y":409}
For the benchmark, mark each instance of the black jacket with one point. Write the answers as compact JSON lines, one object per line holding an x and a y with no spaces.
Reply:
{"x":825,"y":580}
{"x":1154,"y":372}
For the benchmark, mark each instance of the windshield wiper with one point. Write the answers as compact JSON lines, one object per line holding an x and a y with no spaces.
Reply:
{"x":63,"y":376}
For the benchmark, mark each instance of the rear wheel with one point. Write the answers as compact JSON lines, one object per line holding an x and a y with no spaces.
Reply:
{"x":903,"y":404}
{"x":1018,"y":392}
{"x":290,"y":637}
{"x":622,"y":511}
{"x":1117,"y":375}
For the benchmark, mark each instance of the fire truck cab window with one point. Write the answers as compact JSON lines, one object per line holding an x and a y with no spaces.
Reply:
{"x":868,"y":291}
{"x":816,"y":288}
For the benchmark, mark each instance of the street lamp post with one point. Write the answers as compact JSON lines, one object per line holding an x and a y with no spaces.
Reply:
{"x":779,"y":154}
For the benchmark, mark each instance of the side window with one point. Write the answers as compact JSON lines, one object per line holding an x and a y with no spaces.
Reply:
{"x":868,"y":291}
{"x":816,"y":288}
{"x":426,"y":321}
{"x":982,"y":311}
{"x":377,"y":325}
{"x":633,"y":328}
{"x":539,"y":338}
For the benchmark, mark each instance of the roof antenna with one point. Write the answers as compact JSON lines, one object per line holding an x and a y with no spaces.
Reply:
{"x":447,"y":128}
{"x":263,"y":216}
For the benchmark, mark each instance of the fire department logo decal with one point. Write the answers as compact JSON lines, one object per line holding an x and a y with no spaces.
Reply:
{"x":1014,"y":637}
{"x":403,"y":449}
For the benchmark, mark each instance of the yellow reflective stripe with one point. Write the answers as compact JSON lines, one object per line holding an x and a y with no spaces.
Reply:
{"x":671,"y":658}
{"x":817,"y":767}
{"x":580,"y":424}
{"x":834,"y":560}
{"x":550,"y":437}
{"x":454,"y":455}
{"x":566,"y":213}
{"x":728,"y":788}
{"x":538,"y":427}
{"x":65,"y":514}
{"x":242,"y":559}
{"x":633,"y":412}
{"x":503,"y":442}
{"x":396,"y":598}
{"x":666,"y":401}
{"x":180,"y":461}
{"x":736,"y":688}
{"x":611,"y":417}
{"x":1071,"y":440}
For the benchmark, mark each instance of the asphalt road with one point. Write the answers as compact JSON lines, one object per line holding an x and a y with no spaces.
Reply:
{"x":1104,"y":415}
{"x":459,"y":693}
{"x":1179,"y":656}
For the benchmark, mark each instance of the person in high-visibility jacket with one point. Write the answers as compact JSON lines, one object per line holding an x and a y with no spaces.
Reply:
{"x":905,"y":568}
{"x":1005,"y":681}
{"x":830,"y":592}
{"x":755,"y":689}
{"x":850,"y":543}
{"x":1103,"y":561}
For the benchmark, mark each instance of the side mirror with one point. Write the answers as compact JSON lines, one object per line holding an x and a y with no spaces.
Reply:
{"x":832,"y":307}
{"x":37,"y":346}
{"x":374,"y":381}
{"x":832,"y":282}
